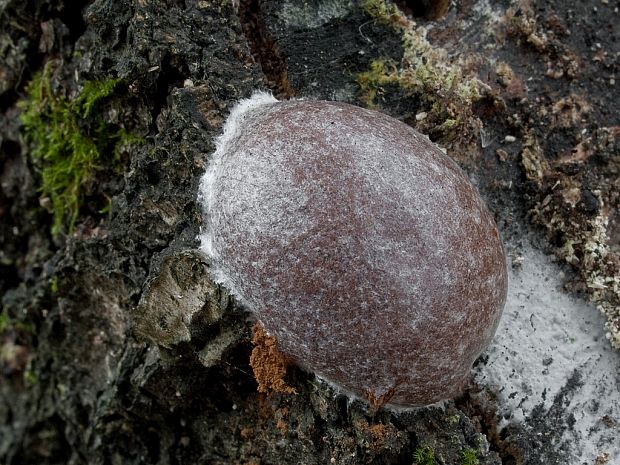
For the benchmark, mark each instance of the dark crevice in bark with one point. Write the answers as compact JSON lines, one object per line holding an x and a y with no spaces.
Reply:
{"x":264,"y":48}
{"x":71,"y":16}
{"x":484,"y":418}
{"x":45,"y":440}
{"x":171,"y":76}
{"x":8,"y":99}
{"x":30,"y":26}
{"x":431,"y":10}
{"x":181,"y":4}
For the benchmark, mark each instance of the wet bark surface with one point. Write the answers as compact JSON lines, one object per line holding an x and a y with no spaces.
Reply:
{"x":115,"y":346}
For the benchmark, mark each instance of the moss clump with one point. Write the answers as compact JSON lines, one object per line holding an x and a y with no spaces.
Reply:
{"x":468,"y":457}
{"x":8,"y":324}
{"x":68,"y":141}
{"x":4,"y":322}
{"x":425,"y":72}
{"x":424,"y":68}
{"x":373,"y":81}
{"x":30,"y":378}
{"x":54,"y":285}
{"x":383,"y":12}
{"x":424,"y":456}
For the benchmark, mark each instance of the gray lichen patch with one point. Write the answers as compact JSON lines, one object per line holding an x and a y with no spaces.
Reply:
{"x":551,"y":369}
{"x":570,"y":152}
{"x":179,"y":293}
{"x":312,"y":15}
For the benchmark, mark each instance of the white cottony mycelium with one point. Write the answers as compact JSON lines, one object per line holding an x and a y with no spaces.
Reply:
{"x":233,"y":129}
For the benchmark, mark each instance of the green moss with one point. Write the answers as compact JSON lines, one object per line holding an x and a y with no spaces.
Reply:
{"x":30,"y":379}
{"x":54,"y":285}
{"x":449,"y":124}
{"x":425,"y":73}
{"x":468,"y":457}
{"x":8,"y":324}
{"x":424,"y":456}
{"x":372,"y":82}
{"x":92,"y":93}
{"x":383,"y":12}
{"x":4,"y":322}
{"x":69,"y":141}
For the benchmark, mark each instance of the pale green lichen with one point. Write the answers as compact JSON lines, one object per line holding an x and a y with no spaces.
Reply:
{"x":586,"y":244}
{"x":587,"y":248}
{"x":446,"y":92}
{"x":604,"y":287}
{"x":381,"y":11}
{"x":533,"y":160}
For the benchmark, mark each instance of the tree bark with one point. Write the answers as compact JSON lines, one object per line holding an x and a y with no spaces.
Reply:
{"x":115,"y":345}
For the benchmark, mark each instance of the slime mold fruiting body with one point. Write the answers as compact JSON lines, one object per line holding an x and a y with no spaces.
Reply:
{"x":357,"y":243}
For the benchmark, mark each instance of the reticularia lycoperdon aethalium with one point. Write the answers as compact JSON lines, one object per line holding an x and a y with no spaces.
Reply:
{"x":361,"y":247}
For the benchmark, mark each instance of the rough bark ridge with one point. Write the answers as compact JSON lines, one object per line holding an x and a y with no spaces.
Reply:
{"x":80,"y":383}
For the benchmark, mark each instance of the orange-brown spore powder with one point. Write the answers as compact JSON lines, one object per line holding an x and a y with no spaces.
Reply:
{"x":268,"y":363}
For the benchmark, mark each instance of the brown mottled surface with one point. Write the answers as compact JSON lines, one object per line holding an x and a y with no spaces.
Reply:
{"x":358,"y":244}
